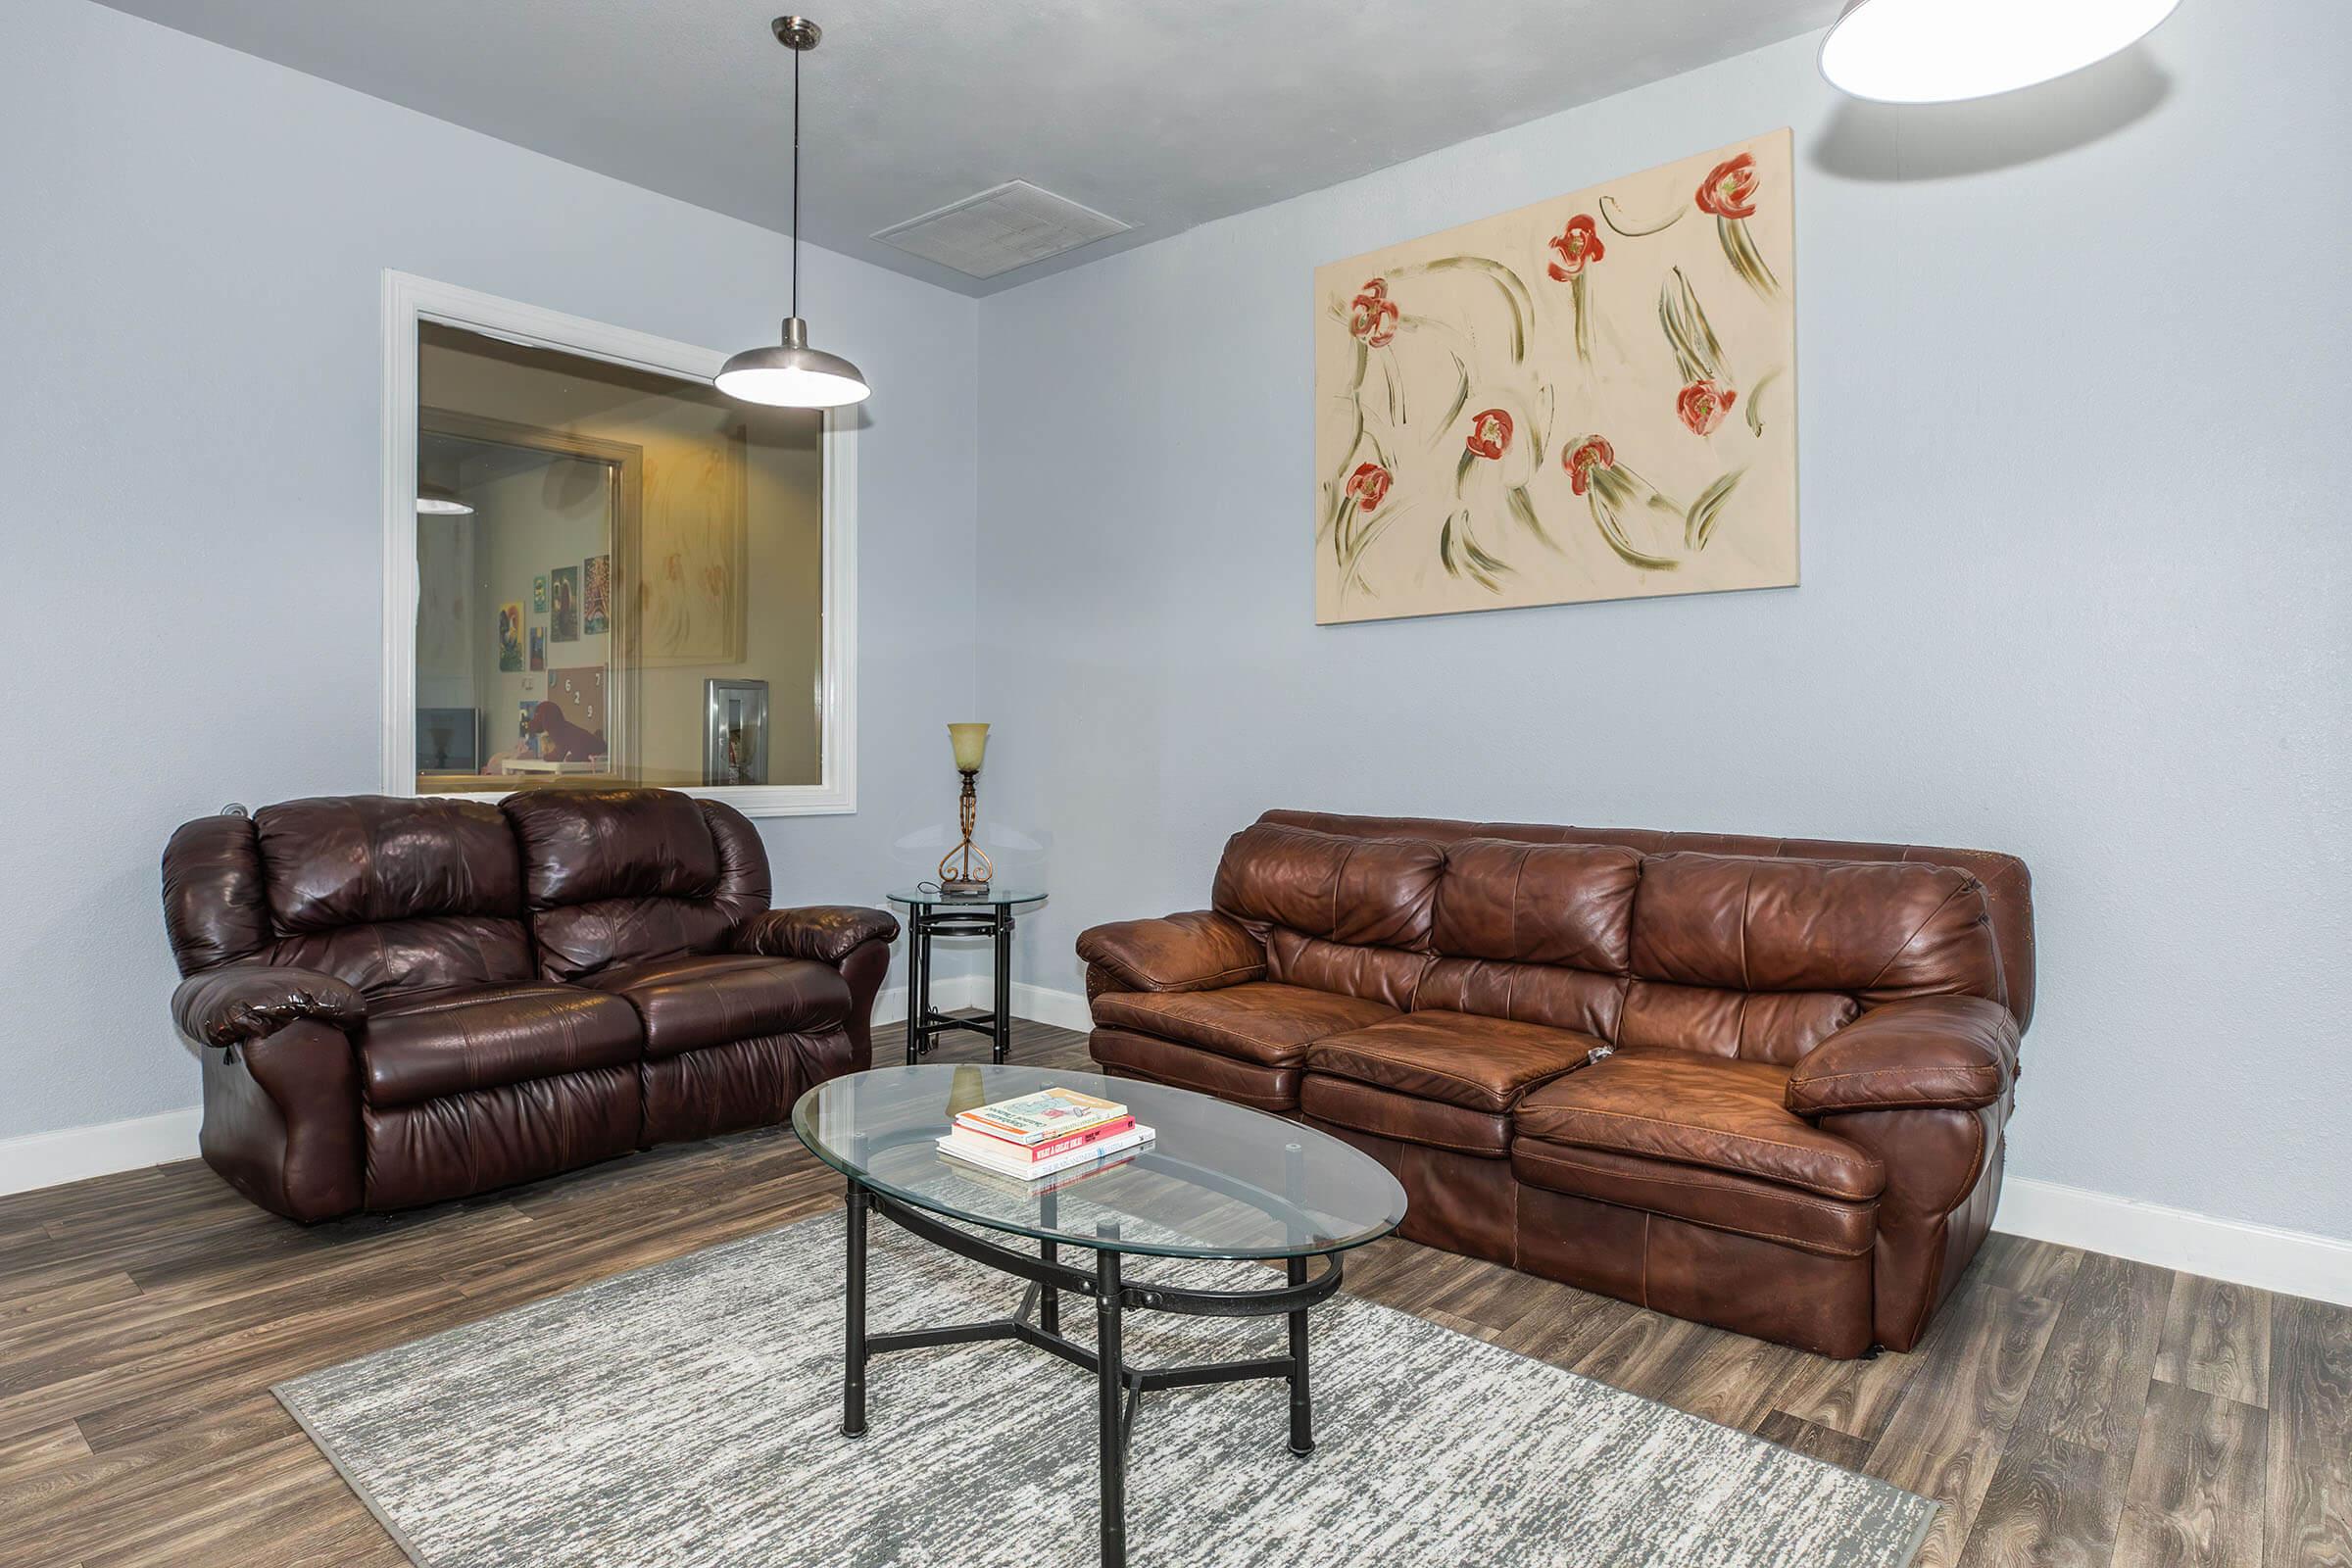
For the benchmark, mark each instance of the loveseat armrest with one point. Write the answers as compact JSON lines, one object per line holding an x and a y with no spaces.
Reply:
{"x":1197,"y":951}
{"x":828,"y":933}
{"x":243,"y":1003}
{"x":1930,"y":1053}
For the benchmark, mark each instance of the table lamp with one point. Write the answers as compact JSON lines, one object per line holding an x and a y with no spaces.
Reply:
{"x":964,"y":870}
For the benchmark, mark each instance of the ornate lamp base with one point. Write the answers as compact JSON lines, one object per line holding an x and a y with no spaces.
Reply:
{"x":964,"y":870}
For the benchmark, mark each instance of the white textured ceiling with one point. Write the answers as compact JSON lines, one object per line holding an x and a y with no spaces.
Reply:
{"x":1163,"y":115}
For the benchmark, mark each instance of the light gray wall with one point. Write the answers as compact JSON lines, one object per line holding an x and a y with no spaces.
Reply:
{"x":2075,"y":556}
{"x":189,"y":435}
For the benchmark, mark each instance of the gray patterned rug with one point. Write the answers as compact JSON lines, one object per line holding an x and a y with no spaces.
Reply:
{"x":688,"y":1414}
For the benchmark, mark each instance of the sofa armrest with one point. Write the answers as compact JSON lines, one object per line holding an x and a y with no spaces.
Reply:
{"x":243,"y":1003}
{"x":825,"y":932}
{"x":1931,"y":1052}
{"x":1200,"y":950}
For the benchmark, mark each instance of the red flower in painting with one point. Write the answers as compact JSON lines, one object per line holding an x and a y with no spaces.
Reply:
{"x":1580,"y":461}
{"x":1372,"y":315}
{"x":1577,"y":244}
{"x":1490,"y":434}
{"x":1702,"y":406}
{"x":1367,"y":485}
{"x":1729,"y":188}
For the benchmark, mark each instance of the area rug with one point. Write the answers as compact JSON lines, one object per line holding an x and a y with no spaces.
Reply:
{"x":689,"y":1413}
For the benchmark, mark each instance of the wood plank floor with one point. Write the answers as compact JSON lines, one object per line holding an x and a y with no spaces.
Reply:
{"x":2069,"y":1408}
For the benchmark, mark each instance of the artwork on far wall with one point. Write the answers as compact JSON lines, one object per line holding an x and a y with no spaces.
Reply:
{"x":538,"y":596}
{"x":691,"y":548}
{"x":596,"y":595}
{"x":538,"y":646}
{"x":1590,"y":398}
{"x":510,"y":639}
{"x":563,"y":605}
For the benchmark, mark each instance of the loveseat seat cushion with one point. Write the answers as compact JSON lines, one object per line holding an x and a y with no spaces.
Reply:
{"x":692,"y":1003}
{"x":1265,"y":1022}
{"x":1713,"y":1112}
{"x":1482,"y":1065}
{"x":461,"y":1038}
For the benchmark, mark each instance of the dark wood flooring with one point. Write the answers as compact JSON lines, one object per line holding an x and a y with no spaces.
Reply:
{"x":2069,"y":1407}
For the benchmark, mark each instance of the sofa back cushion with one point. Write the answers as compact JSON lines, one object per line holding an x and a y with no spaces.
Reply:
{"x":391,"y":895}
{"x":1365,"y":892}
{"x":2007,"y":887}
{"x":615,"y":878}
{"x":1755,"y":956}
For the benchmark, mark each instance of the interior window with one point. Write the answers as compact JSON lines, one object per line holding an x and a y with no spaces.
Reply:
{"x":620,"y":576}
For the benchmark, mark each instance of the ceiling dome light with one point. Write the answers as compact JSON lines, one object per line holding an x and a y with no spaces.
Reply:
{"x":792,"y":375}
{"x":1939,"y":51}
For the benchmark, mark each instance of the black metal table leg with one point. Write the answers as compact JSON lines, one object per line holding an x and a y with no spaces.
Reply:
{"x":1110,"y":1386}
{"x":1049,"y":1300}
{"x":919,"y":966}
{"x":1004,"y":982}
{"x":1303,"y":1412}
{"x":853,"y":1376}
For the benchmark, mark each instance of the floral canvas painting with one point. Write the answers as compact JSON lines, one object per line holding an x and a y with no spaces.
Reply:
{"x":1589,"y":398}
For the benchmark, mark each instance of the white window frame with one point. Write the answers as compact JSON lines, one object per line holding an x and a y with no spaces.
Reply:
{"x":408,"y":300}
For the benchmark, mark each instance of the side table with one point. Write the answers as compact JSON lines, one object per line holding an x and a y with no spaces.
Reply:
{"x":933,"y":913}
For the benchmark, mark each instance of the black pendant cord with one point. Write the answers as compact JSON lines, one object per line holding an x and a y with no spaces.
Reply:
{"x":795,"y":183}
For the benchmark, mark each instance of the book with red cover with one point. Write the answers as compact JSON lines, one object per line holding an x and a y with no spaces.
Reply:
{"x":1006,"y":1149}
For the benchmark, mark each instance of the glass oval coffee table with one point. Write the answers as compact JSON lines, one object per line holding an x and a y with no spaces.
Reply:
{"x":1216,"y":1180}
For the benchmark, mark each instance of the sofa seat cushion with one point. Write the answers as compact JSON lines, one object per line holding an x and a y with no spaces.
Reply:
{"x":1768,"y":1210}
{"x":461,"y":1038}
{"x":1264,"y":1021}
{"x":1714,"y":1113}
{"x":1458,"y":1059}
{"x":1406,"y":1118}
{"x":708,"y":999}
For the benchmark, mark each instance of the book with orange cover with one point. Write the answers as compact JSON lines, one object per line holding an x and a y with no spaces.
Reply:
{"x":1003,"y":1147}
{"x":1036,"y":1118}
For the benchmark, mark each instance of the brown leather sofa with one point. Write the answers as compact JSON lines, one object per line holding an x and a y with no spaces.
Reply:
{"x":1755,"y":1082}
{"x":407,"y":1000}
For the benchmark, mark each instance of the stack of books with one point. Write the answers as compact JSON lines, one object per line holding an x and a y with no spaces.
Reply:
{"x":1034,"y":1135}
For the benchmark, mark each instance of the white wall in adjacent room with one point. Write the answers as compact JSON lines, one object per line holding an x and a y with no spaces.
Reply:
{"x":2076,"y":564}
{"x":190,"y":436}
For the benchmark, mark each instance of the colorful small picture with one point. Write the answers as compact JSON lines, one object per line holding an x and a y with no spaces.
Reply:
{"x":522,"y":722}
{"x":596,"y":596}
{"x":563,"y":605}
{"x":538,"y":646}
{"x":538,"y":596}
{"x":510,"y":639}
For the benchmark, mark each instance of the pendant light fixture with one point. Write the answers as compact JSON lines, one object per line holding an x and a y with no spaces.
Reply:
{"x":794,"y":376}
{"x":1939,"y":51}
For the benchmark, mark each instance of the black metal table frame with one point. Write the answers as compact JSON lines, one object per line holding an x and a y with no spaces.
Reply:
{"x":924,"y":1023}
{"x":1037,"y":1322}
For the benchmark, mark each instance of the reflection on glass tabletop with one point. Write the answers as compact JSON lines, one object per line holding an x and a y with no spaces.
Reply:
{"x":1003,"y":893}
{"x":1215,"y":1181}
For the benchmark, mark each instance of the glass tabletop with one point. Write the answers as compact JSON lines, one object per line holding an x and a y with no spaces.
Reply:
{"x":1005,"y":896}
{"x":1215,"y":1180}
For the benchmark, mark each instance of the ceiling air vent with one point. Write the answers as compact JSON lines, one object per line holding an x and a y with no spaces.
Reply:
{"x":1000,"y":229}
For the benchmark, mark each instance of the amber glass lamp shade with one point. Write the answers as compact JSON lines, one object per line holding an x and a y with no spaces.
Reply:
{"x":971,"y":744}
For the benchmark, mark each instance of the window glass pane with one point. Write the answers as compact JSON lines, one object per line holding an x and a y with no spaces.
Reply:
{"x":620,"y":576}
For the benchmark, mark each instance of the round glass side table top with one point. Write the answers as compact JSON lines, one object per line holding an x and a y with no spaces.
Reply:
{"x":1216,"y":1180}
{"x":997,"y":897}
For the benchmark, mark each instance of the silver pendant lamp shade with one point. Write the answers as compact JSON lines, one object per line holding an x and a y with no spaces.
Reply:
{"x":790,"y":374}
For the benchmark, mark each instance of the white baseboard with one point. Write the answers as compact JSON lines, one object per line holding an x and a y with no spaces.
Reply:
{"x":1063,"y":1009}
{"x":74,"y":1153}
{"x":2291,"y":1262}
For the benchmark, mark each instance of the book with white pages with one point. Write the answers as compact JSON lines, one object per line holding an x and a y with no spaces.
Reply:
{"x":965,"y":1153}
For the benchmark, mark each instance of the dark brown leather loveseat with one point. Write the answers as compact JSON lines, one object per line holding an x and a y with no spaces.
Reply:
{"x":407,"y":1000}
{"x":1758,"y":1083}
